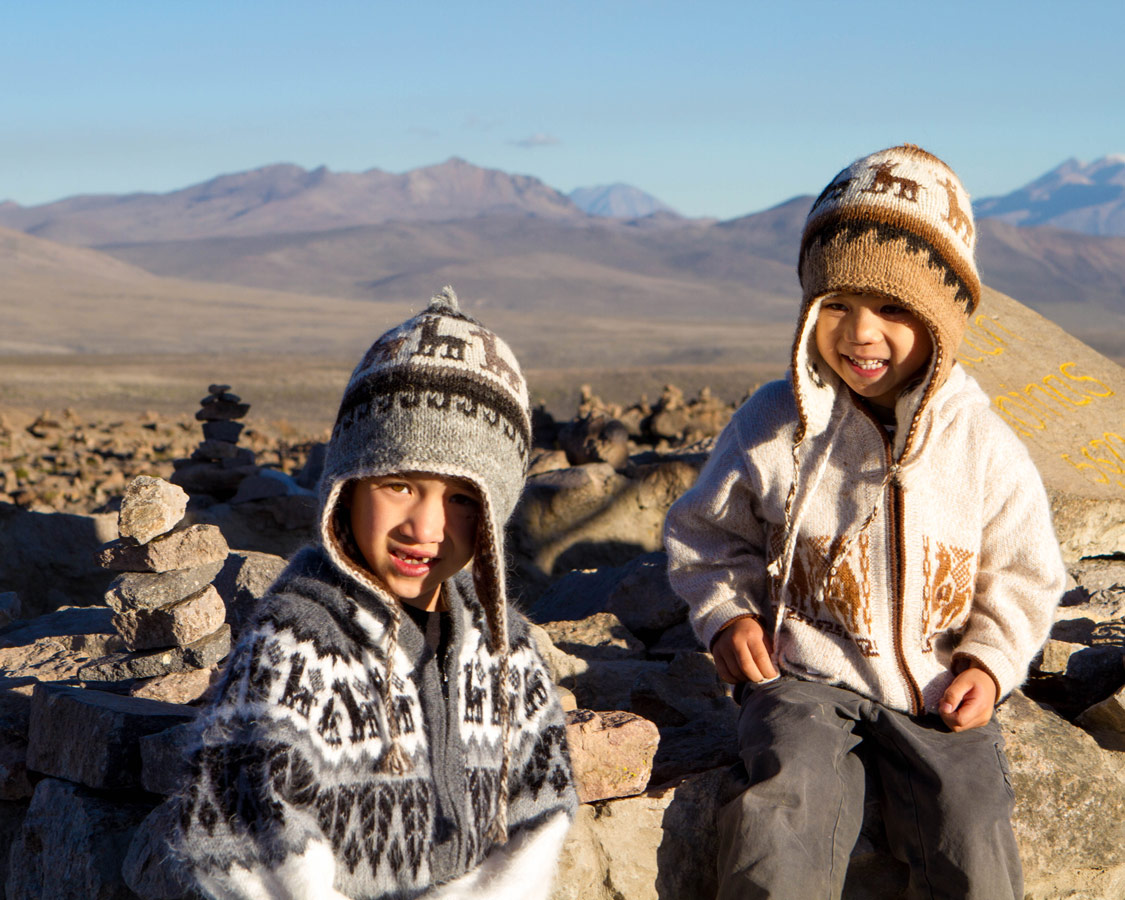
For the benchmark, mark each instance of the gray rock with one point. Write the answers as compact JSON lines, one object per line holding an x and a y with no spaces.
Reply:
{"x":148,"y":590}
{"x":15,"y":716}
{"x":70,"y":845}
{"x":561,"y":666}
{"x":91,"y":737}
{"x":594,"y":439}
{"x":703,"y":743}
{"x":611,"y":753}
{"x":222,"y":430}
{"x":1106,"y":721}
{"x":32,"y":565}
{"x":576,"y":595}
{"x":677,"y":639}
{"x":201,"y":654}
{"x":643,"y":599}
{"x":186,"y":548}
{"x":215,"y":449}
{"x":12,"y":814}
{"x":164,"y":764}
{"x":547,"y":461}
{"x":588,"y":517}
{"x":221,"y":409}
{"x":174,"y":625}
{"x":176,"y":687}
{"x":1070,"y":805}
{"x":1099,"y":574}
{"x":600,"y":636}
{"x":210,"y":479}
{"x":245,"y":577}
{"x":660,"y":844}
{"x":607,"y":684}
{"x":687,"y":689}
{"x":150,"y":507}
{"x":10,"y":607}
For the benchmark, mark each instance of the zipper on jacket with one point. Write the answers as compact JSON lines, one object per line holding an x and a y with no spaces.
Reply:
{"x":917,"y":703}
{"x":898,"y":591}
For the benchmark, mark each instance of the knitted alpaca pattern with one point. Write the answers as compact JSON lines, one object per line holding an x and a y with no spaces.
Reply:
{"x":289,"y":756}
{"x":959,"y":564}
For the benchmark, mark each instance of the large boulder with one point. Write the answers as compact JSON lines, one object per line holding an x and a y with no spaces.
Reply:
{"x":1067,"y":402}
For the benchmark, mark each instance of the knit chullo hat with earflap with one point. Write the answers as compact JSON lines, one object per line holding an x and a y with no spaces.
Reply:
{"x":439,"y":394}
{"x":898,"y":224}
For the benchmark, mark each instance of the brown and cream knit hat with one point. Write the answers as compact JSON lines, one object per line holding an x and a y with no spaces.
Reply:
{"x":897,"y":223}
{"x":442,"y":395}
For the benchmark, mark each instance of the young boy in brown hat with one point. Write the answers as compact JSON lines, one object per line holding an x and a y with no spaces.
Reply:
{"x":869,"y":554}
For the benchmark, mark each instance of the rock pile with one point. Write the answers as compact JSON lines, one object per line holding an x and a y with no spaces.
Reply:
{"x":218,"y":465}
{"x":168,"y":613}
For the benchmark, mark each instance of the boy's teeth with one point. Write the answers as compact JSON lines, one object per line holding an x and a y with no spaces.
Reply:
{"x":867,"y":363}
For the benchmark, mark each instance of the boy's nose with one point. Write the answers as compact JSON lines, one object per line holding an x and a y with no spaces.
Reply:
{"x":426,"y":521}
{"x":864,"y":326}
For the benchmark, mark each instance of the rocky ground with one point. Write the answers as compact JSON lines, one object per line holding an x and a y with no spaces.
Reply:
{"x":117,"y":641}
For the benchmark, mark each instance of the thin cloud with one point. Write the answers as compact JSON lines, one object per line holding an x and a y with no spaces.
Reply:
{"x":539,"y":139}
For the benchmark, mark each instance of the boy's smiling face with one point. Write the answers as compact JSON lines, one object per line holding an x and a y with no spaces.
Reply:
{"x":415,"y":531}
{"x":872,"y":343}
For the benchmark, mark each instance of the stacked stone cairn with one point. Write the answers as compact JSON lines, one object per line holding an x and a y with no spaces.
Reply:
{"x":218,"y":465}
{"x":168,"y":613}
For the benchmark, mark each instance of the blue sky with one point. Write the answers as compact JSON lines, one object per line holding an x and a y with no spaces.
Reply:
{"x":718,"y":108}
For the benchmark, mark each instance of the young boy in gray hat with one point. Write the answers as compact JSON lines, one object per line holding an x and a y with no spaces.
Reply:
{"x":869,"y":554}
{"x":386,"y":728}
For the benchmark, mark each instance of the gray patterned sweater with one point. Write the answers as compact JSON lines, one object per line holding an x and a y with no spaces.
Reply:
{"x":288,"y":797}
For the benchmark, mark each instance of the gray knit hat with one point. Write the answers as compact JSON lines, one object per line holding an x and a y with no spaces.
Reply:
{"x":439,"y":394}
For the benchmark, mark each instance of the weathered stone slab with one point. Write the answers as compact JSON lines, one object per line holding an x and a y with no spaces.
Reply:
{"x":245,"y":577}
{"x":176,"y":687}
{"x":150,"y":507}
{"x":91,"y":737}
{"x":164,"y":764}
{"x":611,"y":752}
{"x":70,"y":845}
{"x":688,"y":688}
{"x":149,"y":590}
{"x":1067,"y":402}
{"x":561,"y":666}
{"x":208,"y":478}
{"x":86,"y":630}
{"x":202,"y":654}
{"x":600,"y":636}
{"x":1107,"y":716}
{"x":173,"y":625}
{"x":184,"y":549}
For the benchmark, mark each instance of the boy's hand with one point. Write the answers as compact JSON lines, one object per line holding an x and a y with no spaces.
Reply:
{"x":741,"y":653}
{"x":968,"y":701}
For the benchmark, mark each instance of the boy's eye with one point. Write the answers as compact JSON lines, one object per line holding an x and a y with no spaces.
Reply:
{"x":891,"y":309}
{"x":399,"y":487}
{"x":466,"y":500}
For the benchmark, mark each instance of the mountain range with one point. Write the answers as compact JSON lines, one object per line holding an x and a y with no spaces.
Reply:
{"x":509,"y":243}
{"x":1077,"y":196}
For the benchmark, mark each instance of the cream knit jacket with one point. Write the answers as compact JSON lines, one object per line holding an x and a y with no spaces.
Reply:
{"x":945,"y":559}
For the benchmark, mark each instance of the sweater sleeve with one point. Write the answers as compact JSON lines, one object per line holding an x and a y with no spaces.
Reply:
{"x":716,"y":541}
{"x":1020,"y":575}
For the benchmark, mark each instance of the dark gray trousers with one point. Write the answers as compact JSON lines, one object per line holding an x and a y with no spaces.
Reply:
{"x":946,"y":798}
